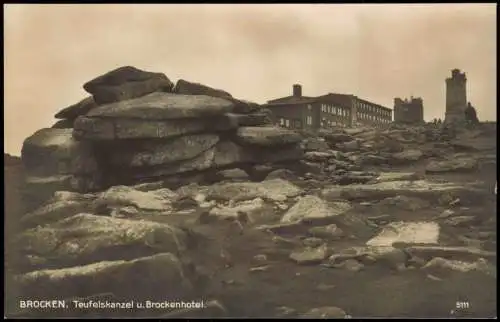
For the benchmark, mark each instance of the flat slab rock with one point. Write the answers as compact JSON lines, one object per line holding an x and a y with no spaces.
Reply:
{"x":275,"y":190}
{"x":266,"y":136}
{"x":165,"y":106}
{"x":151,"y":153}
{"x":53,"y":151}
{"x":454,"y":165}
{"x":407,"y":232}
{"x":392,"y":188}
{"x":312,"y":207}
{"x":97,"y":128}
{"x":119,"y":277}
{"x":85,"y":238}
{"x":157,"y":200}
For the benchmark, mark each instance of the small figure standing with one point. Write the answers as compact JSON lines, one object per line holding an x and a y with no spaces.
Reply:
{"x":471,"y":115}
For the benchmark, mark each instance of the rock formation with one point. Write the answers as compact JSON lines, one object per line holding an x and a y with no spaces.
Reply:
{"x":137,"y":126}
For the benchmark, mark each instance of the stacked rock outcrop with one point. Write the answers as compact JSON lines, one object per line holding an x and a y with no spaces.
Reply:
{"x":137,"y":126}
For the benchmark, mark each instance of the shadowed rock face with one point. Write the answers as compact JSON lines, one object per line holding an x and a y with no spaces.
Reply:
{"x":76,"y":110}
{"x":189,"y":88}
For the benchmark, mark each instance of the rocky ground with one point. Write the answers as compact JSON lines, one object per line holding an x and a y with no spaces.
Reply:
{"x":373,"y":223}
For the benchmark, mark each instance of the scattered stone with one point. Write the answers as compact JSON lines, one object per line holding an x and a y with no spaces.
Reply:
{"x":309,"y":255}
{"x":259,"y":269}
{"x":260,"y":258}
{"x":313,"y":208}
{"x":158,"y":200}
{"x":325,"y":287}
{"x":327,"y":312}
{"x":461,"y":221}
{"x":407,"y":156}
{"x":419,"y":188}
{"x":407,"y":232}
{"x":275,"y":190}
{"x":398,"y":176}
{"x":332,"y":232}
{"x":449,"y":252}
{"x":453,"y":165}
{"x":118,"y":277}
{"x":406,"y":203}
{"x":312,"y":242}
{"x":352,"y":265}
{"x":440,"y":266}
{"x":285,"y":311}
{"x":315,"y":144}
{"x":250,"y":207}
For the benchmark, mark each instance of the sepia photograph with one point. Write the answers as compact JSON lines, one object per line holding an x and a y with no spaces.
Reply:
{"x":315,"y":161}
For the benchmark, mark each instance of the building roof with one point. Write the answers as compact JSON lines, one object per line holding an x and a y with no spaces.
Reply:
{"x":292,"y":100}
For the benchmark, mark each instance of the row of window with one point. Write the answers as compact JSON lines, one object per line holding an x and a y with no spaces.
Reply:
{"x":330,"y":123}
{"x":373,"y":109}
{"x":334,"y":110}
{"x":374,"y":118}
{"x":297,"y":124}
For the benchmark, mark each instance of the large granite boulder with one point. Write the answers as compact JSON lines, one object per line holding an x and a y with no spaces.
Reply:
{"x":85,"y":238}
{"x":126,"y":83}
{"x":55,"y":152}
{"x":119,"y":277}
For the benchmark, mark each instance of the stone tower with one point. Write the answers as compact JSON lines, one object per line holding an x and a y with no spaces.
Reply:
{"x":456,"y":97}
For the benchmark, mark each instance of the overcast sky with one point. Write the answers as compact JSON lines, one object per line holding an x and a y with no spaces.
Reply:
{"x":255,"y":52}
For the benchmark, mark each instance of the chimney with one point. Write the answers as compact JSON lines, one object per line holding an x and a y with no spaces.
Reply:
{"x":297,"y":90}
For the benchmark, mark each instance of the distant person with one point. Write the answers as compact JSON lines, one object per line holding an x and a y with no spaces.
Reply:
{"x":439,"y":122}
{"x":471,"y":115}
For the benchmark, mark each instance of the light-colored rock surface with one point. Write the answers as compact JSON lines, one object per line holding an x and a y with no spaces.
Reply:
{"x":312,"y":207}
{"x":120,"y":277}
{"x":453,"y":165}
{"x":326,"y":312}
{"x":250,"y":207}
{"x":275,"y":190}
{"x":83,"y":237}
{"x":391,"y":188}
{"x":407,"y":232}
{"x":157,"y":200}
